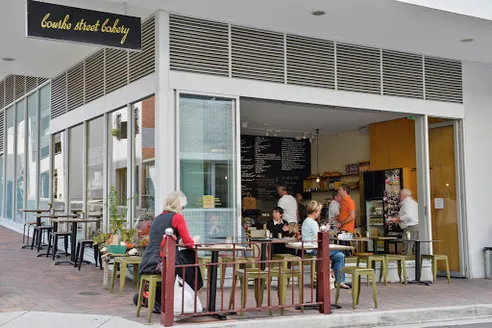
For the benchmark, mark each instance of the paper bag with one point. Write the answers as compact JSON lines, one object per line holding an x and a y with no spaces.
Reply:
{"x":249,"y":203}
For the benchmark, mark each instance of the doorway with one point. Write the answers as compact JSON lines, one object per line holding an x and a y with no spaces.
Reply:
{"x":445,"y":184}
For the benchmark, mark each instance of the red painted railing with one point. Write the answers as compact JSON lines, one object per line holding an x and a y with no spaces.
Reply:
{"x":319,"y":296}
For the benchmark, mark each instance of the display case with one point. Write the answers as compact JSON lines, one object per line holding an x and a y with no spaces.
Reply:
{"x":375,"y":219}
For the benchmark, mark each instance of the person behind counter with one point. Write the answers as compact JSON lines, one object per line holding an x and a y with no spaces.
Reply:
{"x":310,"y":230}
{"x":301,"y":209}
{"x":289,"y":204}
{"x":346,"y":218}
{"x":334,"y":208}
{"x":278,"y":226}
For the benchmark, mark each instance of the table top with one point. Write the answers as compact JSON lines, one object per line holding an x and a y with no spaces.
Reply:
{"x":39,"y":211}
{"x":220,"y":247}
{"x":335,"y":247}
{"x":383,"y":238}
{"x":75,"y":220}
{"x":365,"y":239}
{"x":422,"y":240}
{"x":54,"y":216}
{"x":276,"y":240}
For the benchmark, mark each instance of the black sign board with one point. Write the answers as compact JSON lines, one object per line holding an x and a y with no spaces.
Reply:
{"x":269,"y":161}
{"x":50,"y":21}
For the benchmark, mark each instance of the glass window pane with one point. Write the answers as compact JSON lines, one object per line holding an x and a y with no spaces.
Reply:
{"x":208,"y":164}
{"x":32,"y":154}
{"x":95,"y":165}
{"x":76,"y":162}
{"x":118,"y":152}
{"x":44,"y":147}
{"x":20,"y":161}
{"x":59,"y":171}
{"x":10,"y":164}
{"x":144,"y":113}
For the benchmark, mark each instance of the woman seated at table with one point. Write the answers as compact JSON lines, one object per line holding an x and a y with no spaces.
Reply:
{"x":279,"y":226}
{"x":309,"y":232}
{"x":171,"y":217}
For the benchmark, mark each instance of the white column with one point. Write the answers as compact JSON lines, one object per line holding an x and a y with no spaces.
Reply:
{"x":165,"y":118}
{"x":423,"y":181}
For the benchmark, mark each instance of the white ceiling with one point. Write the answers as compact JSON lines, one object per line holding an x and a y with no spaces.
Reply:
{"x":475,"y":8}
{"x":384,"y":23}
{"x":293,"y":120}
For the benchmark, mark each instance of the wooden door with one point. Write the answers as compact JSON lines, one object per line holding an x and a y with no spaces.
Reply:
{"x":443,"y":188}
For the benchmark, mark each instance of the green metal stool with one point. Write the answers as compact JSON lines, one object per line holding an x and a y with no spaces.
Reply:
{"x":374,"y":258}
{"x":153,"y":280}
{"x":401,"y":262}
{"x":120,"y":264}
{"x":434,"y":259}
{"x":356,"y":273}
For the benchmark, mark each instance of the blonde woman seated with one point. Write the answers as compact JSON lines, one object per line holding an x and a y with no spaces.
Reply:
{"x":309,"y":232}
{"x":171,"y":217}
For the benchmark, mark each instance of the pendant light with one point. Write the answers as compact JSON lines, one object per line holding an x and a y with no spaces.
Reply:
{"x":317,"y":156}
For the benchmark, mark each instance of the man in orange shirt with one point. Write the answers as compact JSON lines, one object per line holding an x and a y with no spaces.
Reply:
{"x":346,"y":218}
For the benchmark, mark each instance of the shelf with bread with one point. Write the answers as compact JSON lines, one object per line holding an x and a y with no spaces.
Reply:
{"x":328,"y":182}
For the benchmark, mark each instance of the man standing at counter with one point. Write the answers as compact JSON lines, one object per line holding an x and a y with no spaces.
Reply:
{"x":408,"y":219}
{"x":346,"y":218}
{"x":289,"y":204}
{"x":334,"y":208}
{"x":301,"y":209}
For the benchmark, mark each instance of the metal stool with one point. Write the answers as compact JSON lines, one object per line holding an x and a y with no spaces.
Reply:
{"x":54,"y":237}
{"x":79,"y":254}
{"x":38,"y":235}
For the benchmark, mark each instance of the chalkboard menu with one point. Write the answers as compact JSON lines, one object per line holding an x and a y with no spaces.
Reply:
{"x":269,"y":161}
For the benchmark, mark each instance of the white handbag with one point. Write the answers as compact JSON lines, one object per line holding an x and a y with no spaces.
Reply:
{"x":188,"y":306}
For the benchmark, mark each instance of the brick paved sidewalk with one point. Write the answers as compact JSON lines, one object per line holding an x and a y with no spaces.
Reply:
{"x":28,"y":283}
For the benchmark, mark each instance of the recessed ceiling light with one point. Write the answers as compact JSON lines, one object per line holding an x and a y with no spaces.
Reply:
{"x":318,"y":13}
{"x":467,"y":40}
{"x":8,"y":59}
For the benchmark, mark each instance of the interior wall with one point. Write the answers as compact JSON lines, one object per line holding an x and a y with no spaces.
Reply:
{"x":477,"y":96}
{"x":336,"y":151}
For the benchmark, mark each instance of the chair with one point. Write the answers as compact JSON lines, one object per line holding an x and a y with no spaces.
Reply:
{"x":261,"y":276}
{"x":434,"y":259}
{"x":239,"y":260}
{"x":120,"y":264}
{"x":79,"y":254}
{"x":357,"y":273}
{"x":153,"y":280}
{"x":289,"y":260}
{"x":401,"y":262}
{"x":38,"y":235}
{"x":53,"y":241}
{"x":374,"y":258}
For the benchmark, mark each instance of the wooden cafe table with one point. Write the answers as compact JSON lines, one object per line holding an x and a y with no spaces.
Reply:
{"x":73,"y":236}
{"x":37,"y":213}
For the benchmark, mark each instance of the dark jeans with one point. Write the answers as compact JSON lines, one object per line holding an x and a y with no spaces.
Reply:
{"x":338,"y":262}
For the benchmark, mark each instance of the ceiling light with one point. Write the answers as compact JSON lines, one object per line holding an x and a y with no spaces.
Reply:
{"x":8,"y":59}
{"x":467,"y":40}
{"x":244,"y":124}
{"x":318,"y":13}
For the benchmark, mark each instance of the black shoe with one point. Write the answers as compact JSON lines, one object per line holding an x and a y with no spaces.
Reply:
{"x":135,"y":299}
{"x":157,"y":308}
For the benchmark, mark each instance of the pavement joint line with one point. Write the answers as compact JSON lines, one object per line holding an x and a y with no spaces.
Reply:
{"x":17,"y":317}
{"x":102,"y":324}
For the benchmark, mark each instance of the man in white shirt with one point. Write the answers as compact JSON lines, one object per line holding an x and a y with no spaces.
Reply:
{"x":334,"y":208}
{"x":408,"y":219}
{"x":289,"y":204}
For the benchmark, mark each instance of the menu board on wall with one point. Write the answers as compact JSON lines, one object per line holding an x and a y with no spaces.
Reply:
{"x":269,"y":161}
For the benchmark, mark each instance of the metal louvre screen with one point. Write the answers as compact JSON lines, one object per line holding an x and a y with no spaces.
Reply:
{"x":403,"y":74}
{"x":59,"y":95}
{"x":202,"y":46}
{"x":143,"y":63}
{"x":199,"y":46}
{"x":116,"y":69}
{"x":2,"y":94}
{"x":310,"y":62}
{"x":75,"y":87}
{"x":20,"y":86}
{"x":443,"y":80}
{"x":31,"y":83}
{"x":2,"y":125}
{"x":9,"y":90}
{"x":94,"y":76}
{"x":358,"y":68}
{"x":257,"y":54}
